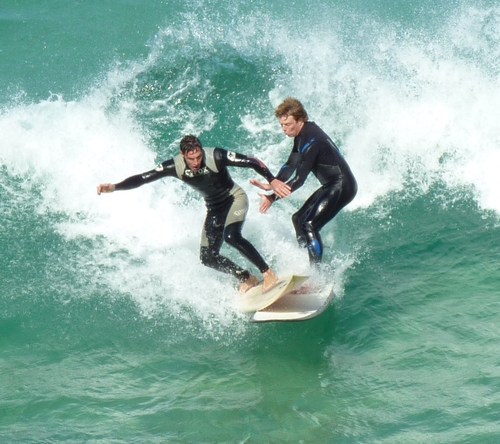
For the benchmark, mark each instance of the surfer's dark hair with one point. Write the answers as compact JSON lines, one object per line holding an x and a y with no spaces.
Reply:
{"x":291,"y":107}
{"x":190,"y":143}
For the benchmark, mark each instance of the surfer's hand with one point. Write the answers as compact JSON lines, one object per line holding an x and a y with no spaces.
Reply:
{"x":266,"y":203}
{"x":105,"y":188}
{"x":281,"y":188}
{"x":261,"y":185}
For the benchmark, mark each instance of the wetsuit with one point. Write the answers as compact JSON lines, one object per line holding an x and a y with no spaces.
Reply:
{"x":313,"y":151}
{"x":226,"y":202}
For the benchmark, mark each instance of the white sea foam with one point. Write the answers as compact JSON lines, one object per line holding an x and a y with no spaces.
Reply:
{"x":405,"y":110}
{"x":145,"y":242}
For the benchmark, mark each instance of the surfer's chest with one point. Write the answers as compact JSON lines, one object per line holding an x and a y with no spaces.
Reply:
{"x":207,"y":181}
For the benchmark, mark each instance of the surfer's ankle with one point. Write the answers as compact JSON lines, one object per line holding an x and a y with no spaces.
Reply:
{"x":270,"y":280}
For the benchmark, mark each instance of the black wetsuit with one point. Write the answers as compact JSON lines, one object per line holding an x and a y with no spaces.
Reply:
{"x":226,"y":203}
{"x":313,"y":151}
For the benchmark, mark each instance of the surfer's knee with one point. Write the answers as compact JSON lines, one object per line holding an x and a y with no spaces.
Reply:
{"x":232,"y":234}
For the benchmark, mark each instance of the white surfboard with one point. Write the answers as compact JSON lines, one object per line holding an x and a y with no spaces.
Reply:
{"x":305,"y":302}
{"x":254,"y":299}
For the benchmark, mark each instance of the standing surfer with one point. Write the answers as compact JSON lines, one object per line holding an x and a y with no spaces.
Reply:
{"x":313,"y":151}
{"x":205,"y":170}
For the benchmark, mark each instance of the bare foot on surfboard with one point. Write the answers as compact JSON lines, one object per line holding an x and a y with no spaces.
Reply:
{"x":251,"y":282}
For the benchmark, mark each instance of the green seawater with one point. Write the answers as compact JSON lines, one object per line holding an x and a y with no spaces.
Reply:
{"x":110,"y":329}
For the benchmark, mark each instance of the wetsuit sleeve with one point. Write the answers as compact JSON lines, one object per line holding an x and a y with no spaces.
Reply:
{"x":230,"y":158}
{"x":307,"y":162}
{"x":289,"y":167}
{"x":165,"y":169}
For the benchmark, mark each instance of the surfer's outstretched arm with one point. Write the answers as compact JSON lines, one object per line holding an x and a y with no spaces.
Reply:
{"x":129,"y":183}
{"x":165,"y":169}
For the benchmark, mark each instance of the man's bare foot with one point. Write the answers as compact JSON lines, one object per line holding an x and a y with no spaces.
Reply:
{"x":270,"y":280}
{"x":251,"y":282}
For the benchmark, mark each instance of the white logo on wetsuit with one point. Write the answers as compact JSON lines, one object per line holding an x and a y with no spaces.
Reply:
{"x":231,"y":155}
{"x":200,"y":172}
{"x":159,"y":167}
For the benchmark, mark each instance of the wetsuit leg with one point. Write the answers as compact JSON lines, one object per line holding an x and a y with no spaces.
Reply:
{"x":232,"y":235}
{"x":211,"y":243}
{"x":307,"y":234}
{"x":233,"y":226}
{"x":321,"y":207}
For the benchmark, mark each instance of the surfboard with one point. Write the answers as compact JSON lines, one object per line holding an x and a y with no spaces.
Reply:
{"x":254,"y":299}
{"x":305,"y":302}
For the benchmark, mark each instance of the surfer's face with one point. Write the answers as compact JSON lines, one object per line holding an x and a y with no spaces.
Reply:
{"x":290,"y":126}
{"x":194,"y":159}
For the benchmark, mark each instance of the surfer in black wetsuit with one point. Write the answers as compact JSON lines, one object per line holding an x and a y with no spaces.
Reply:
{"x":227,"y":204}
{"x":313,"y":151}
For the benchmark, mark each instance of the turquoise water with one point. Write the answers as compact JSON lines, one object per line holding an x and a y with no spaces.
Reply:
{"x":110,"y":329}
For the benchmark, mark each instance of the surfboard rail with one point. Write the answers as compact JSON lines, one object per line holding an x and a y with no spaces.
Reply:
{"x":302,"y":304}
